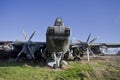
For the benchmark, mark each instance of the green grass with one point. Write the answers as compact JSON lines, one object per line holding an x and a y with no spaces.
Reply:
{"x":96,"y":70}
{"x":19,"y":71}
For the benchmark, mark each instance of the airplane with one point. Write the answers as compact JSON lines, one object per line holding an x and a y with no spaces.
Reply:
{"x":54,"y":50}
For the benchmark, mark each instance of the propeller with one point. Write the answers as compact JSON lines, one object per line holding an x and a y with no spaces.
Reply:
{"x":88,"y":38}
{"x":86,"y":46}
{"x":31,"y":35}
{"x":27,"y":47}
{"x":89,"y":46}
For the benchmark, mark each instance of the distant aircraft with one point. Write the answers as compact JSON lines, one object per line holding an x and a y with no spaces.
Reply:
{"x":56,"y":47}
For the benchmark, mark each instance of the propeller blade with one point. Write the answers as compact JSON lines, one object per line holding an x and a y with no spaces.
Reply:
{"x":88,"y":37}
{"x":93,"y":40}
{"x":74,"y":40}
{"x":54,"y":55}
{"x":31,"y":52}
{"x":88,"y":55}
{"x":79,"y":41}
{"x":92,"y":52}
{"x":25,"y":35}
{"x":20,"y":53}
{"x":31,"y":35}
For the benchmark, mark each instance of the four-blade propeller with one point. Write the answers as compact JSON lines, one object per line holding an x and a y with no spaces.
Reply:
{"x":27,"y":47}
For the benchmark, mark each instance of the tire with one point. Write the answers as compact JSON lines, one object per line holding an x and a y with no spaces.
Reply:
{"x":61,"y":66}
{"x":54,"y":66}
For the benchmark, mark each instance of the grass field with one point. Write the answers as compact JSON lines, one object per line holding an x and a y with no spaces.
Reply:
{"x":107,"y":68}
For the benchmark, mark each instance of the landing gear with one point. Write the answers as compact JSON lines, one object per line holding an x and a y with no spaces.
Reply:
{"x":61,"y":66}
{"x":55,"y":61}
{"x":57,"y":58}
{"x":54,"y":66}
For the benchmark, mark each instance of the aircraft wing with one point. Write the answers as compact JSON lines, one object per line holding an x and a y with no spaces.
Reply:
{"x":3,"y":42}
{"x":108,"y":45}
{"x":18,"y":44}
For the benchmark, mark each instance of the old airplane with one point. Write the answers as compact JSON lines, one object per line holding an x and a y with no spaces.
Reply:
{"x":54,"y":50}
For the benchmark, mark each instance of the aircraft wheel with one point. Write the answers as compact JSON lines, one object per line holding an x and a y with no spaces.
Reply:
{"x":54,"y":66}
{"x":61,"y":66}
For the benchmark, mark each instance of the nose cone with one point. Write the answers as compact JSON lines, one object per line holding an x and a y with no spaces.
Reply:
{"x":59,"y":22}
{"x":58,"y":37}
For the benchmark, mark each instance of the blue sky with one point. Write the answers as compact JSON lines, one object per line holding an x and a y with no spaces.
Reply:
{"x":99,"y":17}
